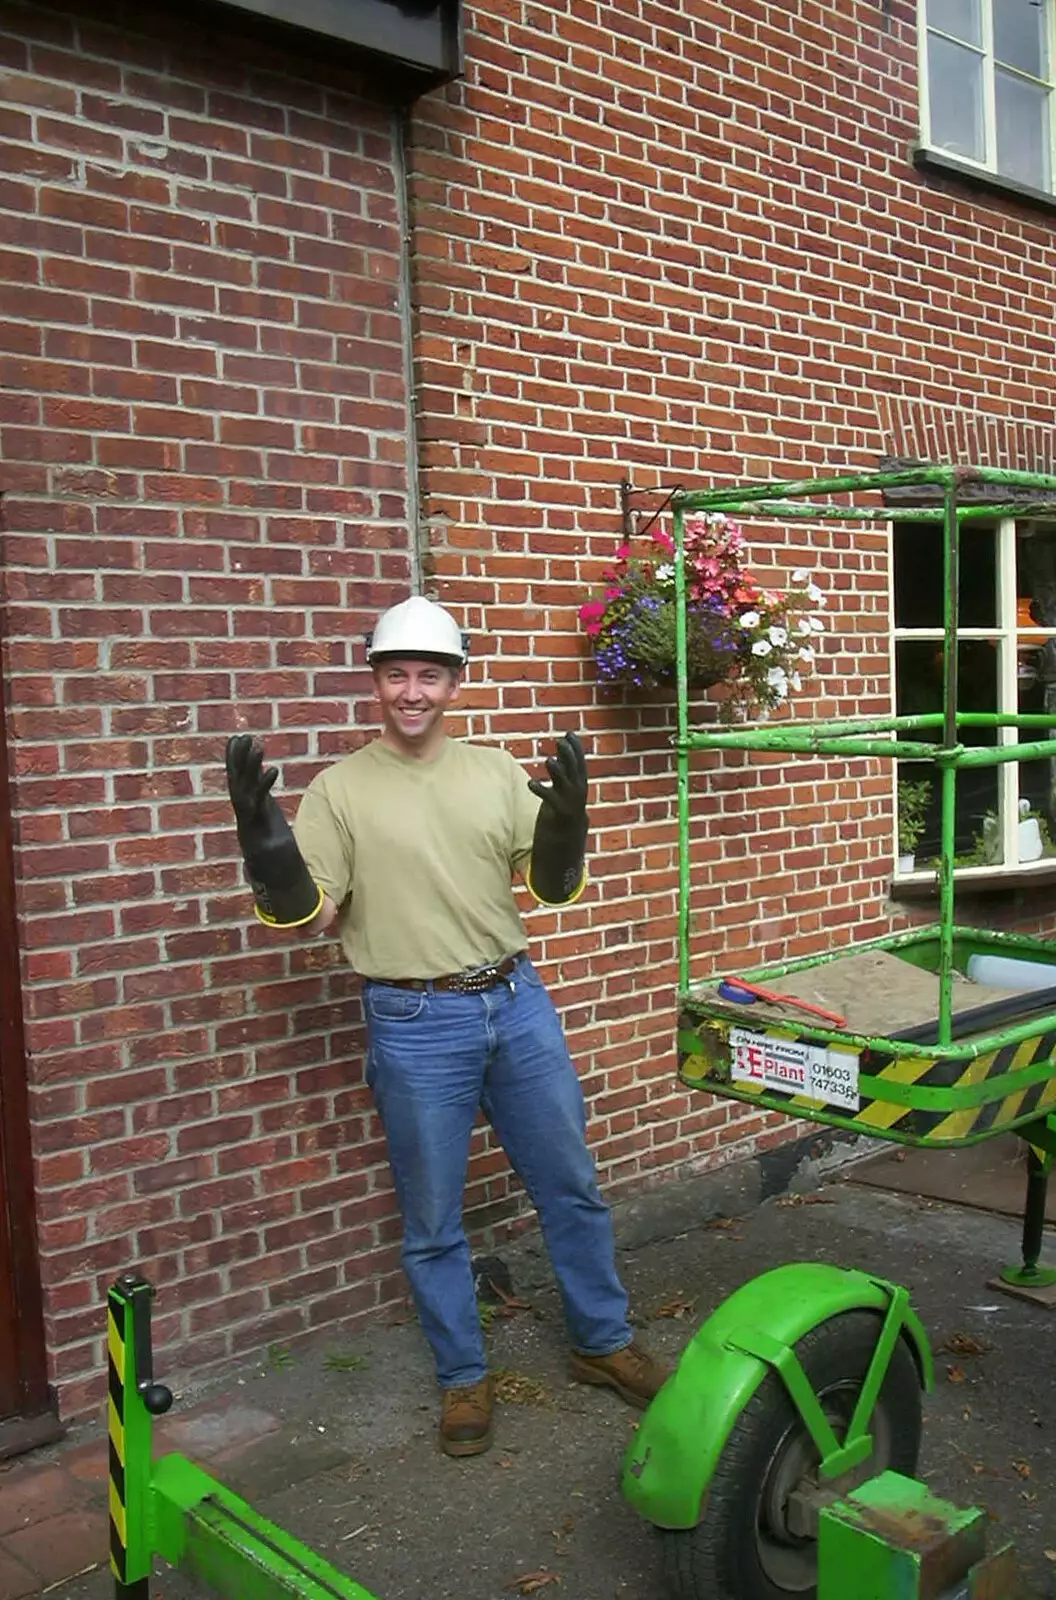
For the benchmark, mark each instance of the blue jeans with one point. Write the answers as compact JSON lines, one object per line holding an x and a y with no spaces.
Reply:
{"x":434,"y":1059}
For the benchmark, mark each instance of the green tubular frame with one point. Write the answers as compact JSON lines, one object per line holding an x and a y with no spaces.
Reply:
{"x":875,"y":737}
{"x":172,"y":1509}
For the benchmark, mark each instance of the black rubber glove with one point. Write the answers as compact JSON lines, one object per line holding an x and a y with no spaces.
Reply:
{"x":286,"y":895}
{"x":555,"y":874}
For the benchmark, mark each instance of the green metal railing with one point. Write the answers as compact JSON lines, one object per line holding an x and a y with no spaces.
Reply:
{"x":874,"y":736}
{"x":171,"y":1508}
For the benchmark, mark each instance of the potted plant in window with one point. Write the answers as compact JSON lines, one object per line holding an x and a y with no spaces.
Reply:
{"x":1034,"y":839}
{"x":755,"y":641}
{"x":914,"y":798}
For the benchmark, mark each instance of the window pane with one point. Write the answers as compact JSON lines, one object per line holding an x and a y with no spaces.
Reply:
{"x":1019,"y":36}
{"x":919,"y":581}
{"x":955,"y":98}
{"x":962,"y":18}
{"x":1022,"y":130}
{"x":918,"y":689}
{"x":1035,"y":579}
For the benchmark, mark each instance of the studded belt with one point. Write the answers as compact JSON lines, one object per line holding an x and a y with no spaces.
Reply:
{"x":474,"y":980}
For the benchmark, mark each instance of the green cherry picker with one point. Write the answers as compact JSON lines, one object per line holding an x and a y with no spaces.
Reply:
{"x":779,"y":1459}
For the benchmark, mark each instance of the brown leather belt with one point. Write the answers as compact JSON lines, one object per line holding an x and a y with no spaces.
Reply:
{"x":473,"y":981}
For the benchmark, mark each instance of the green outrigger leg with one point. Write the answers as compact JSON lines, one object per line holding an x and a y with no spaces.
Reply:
{"x":171,"y":1508}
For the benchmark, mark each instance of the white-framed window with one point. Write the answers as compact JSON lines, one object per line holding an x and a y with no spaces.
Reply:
{"x":986,"y":85}
{"x":1006,"y":814}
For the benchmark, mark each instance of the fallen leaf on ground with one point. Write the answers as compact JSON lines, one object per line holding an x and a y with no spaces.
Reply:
{"x":965,"y":1344}
{"x":955,"y":1374}
{"x":509,"y":1304}
{"x":1022,"y":1468}
{"x":680,"y":1305}
{"x":806,"y":1200}
{"x":531,"y":1582}
{"x":720,"y":1222}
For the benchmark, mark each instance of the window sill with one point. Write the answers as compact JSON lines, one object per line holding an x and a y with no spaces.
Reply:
{"x":921,"y":890}
{"x":939,"y":161}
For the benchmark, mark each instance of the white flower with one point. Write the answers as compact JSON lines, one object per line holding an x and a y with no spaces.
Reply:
{"x":801,"y":575}
{"x":804,"y":625}
{"x":796,"y":681}
{"x":750,"y":619}
{"x":762,"y":647}
{"x":777,"y":678}
{"x":666,"y":572}
{"x":816,"y":625}
{"x":778,"y":636}
{"x":815,"y":595}
{"x":806,"y":654}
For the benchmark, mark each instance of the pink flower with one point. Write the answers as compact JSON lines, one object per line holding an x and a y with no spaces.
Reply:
{"x":623,"y":552}
{"x":591,"y":614}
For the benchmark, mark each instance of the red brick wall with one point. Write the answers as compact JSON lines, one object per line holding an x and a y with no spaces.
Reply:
{"x":683,"y":242}
{"x":678,"y":242}
{"x":204,"y":458}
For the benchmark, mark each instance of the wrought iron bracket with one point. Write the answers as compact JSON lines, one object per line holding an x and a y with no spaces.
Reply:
{"x":633,"y":526}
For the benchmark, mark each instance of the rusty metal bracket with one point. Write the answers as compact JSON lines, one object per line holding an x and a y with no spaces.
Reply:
{"x":633,"y":527}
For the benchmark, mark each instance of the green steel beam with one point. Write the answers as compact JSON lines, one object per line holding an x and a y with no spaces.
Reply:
{"x":1023,"y":511}
{"x":997,"y":755}
{"x":811,"y":511}
{"x":682,"y":753}
{"x":948,"y":477}
{"x":948,"y":850}
{"x":208,"y":1532}
{"x":175,"y":1510}
{"x":708,"y":499}
{"x":804,"y":743}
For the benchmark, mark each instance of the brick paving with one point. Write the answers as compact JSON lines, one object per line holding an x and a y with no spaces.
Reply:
{"x":54,"y":1520}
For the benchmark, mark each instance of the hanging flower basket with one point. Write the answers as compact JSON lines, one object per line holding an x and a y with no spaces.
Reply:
{"x":755,"y":641}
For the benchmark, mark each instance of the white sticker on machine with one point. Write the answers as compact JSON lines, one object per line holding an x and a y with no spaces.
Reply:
{"x":815,"y":1072}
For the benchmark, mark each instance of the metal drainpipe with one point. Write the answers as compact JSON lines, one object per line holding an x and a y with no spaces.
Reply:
{"x":401,"y":119}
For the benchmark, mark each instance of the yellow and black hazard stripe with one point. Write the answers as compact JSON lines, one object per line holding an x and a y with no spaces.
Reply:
{"x":117,"y":1310}
{"x":936,"y":1117}
{"x":945,"y":1123}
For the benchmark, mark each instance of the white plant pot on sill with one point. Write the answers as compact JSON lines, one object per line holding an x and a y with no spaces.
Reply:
{"x":906,"y":864}
{"x":1030,"y":845}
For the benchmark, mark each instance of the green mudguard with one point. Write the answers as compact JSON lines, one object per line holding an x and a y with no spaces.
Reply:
{"x":674,"y":1452}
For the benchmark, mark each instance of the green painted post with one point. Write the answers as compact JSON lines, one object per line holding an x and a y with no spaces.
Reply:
{"x":950,"y":618}
{"x":682,"y":754}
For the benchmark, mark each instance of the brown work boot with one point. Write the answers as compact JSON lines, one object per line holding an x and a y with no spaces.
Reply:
{"x":465,"y":1426}
{"x":632,"y":1372}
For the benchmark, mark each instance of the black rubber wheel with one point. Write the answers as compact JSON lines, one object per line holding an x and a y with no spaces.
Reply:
{"x":743,"y":1549}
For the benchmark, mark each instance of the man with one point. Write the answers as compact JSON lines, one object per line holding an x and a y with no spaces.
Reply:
{"x":410,"y":846}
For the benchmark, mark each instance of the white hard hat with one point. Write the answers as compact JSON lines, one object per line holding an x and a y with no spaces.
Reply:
{"x":418,"y":629}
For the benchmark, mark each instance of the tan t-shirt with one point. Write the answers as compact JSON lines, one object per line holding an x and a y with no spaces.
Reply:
{"x":419,"y":856}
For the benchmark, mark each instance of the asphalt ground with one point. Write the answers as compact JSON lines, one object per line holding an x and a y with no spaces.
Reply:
{"x":352,"y":1466}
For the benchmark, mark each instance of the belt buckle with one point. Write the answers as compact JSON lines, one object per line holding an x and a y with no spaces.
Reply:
{"x":477,"y":979}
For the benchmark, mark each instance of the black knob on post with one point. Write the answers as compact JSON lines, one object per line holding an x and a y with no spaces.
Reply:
{"x":157,"y":1397}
